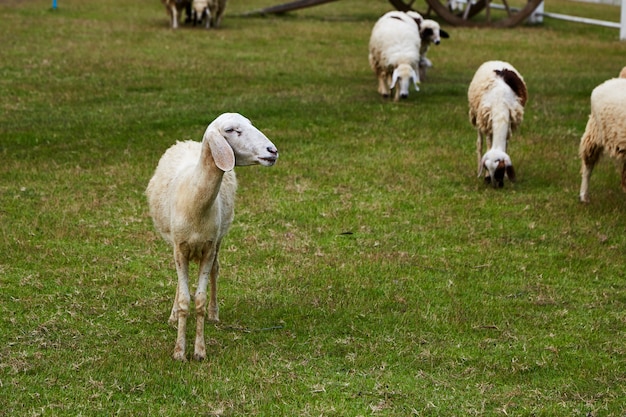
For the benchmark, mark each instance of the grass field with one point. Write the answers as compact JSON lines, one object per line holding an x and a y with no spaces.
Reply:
{"x":369,"y":273}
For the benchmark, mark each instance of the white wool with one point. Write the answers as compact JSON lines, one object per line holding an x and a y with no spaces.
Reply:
{"x":394,"y":52}
{"x":605,"y":131}
{"x":496,"y":110}
{"x":191,"y":198}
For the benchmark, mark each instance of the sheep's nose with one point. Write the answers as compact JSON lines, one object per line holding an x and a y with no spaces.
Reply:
{"x":272,"y":150}
{"x":404,"y":95}
{"x":437,"y":42}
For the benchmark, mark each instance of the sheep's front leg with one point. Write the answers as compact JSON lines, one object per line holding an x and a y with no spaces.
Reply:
{"x":383,"y":85}
{"x":624,"y":176}
{"x":183,"y":298}
{"x":207,"y":267}
{"x":479,"y":152}
{"x":174,"y":16}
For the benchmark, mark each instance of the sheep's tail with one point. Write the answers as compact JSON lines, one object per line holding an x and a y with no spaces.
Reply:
{"x":515,"y":82}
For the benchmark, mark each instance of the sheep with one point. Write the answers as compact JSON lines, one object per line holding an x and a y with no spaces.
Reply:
{"x":497,"y":95}
{"x":200,"y":12}
{"x":605,"y":131}
{"x":430,"y":33}
{"x":216,"y":10}
{"x":174,"y":7}
{"x":394,"y":52}
{"x":191,"y":200}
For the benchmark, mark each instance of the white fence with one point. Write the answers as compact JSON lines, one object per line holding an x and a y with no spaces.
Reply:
{"x":539,"y":13}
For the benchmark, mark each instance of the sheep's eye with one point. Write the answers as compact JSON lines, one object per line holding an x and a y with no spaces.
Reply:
{"x":229,"y":130}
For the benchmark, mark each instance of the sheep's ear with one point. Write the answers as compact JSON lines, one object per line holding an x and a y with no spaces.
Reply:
{"x":416,"y":79}
{"x":443,"y":34}
{"x":221,"y":151}
{"x":394,"y":78}
{"x":510,"y":172}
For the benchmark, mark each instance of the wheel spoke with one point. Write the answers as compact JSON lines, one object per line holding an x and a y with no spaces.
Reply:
{"x":508,"y":9}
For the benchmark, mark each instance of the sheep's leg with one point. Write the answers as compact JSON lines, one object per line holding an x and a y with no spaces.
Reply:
{"x":589,"y":154}
{"x":174,"y":15}
{"x":383,"y":86}
{"x":479,"y":152}
{"x":174,"y":314}
{"x":183,"y":298}
{"x":624,"y":177}
{"x":215,"y":271}
{"x":206,"y":268}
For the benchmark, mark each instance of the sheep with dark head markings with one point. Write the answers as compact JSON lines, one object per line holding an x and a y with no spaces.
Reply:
{"x":497,"y":96}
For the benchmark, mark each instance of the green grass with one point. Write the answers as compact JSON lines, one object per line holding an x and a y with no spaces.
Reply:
{"x":368,"y":273}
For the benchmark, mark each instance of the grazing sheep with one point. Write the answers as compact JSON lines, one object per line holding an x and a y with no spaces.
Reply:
{"x":200,"y":12}
{"x":174,"y":7}
{"x":497,"y":96}
{"x":605,"y":131}
{"x":191,"y":198}
{"x":394,"y":52}
{"x":431,"y":33}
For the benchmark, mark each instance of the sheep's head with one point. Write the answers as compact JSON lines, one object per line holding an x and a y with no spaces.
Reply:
{"x":431,"y":32}
{"x":403,"y":75}
{"x":497,"y":163}
{"x":249,"y":145}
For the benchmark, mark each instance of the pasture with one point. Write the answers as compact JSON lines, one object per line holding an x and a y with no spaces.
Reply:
{"x":368,"y":273}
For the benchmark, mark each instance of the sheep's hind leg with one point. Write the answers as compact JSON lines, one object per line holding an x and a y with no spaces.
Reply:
{"x":590,"y":153}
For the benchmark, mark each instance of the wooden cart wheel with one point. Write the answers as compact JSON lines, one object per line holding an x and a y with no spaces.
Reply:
{"x":485,"y":13}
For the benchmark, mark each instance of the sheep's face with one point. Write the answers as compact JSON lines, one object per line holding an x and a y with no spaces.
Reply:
{"x":249,"y":144}
{"x":498,"y":163}
{"x":401,"y":79}
{"x":431,"y":32}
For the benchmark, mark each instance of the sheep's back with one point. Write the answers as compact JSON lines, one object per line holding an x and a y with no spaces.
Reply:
{"x":490,"y":97}
{"x":394,"y":42}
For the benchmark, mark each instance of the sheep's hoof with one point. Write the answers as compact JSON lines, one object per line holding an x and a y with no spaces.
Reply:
{"x":213,"y":315}
{"x":179,"y":355}
{"x":487,"y":180}
{"x":199,"y":356}
{"x":583,"y":199}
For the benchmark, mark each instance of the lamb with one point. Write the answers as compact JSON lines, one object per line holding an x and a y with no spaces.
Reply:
{"x":430,"y":33}
{"x":174,"y":7}
{"x":394,"y":52}
{"x":605,"y":131}
{"x":191,"y":199}
{"x":497,"y":96}
{"x":200,"y":12}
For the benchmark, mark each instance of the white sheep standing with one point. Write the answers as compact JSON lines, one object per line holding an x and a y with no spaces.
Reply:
{"x":605,"y":131}
{"x":174,"y":7}
{"x":200,"y":12}
{"x":191,"y":198}
{"x":497,"y":96}
{"x":394,"y":52}
{"x":431,"y":34}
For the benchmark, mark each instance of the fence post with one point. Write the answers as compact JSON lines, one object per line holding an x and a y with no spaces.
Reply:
{"x":537,"y":15}
{"x":622,"y":25}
